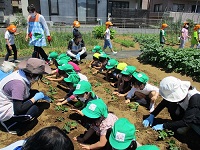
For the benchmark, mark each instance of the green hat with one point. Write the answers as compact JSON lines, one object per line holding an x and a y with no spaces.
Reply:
{"x":97,"y":48}
{"x":53,"y":55}
{"x":63,"y":55}
{"x":111,"y":63}
{"x":82,"y":87}
{"x":122,"y":134}
{"x":104,"y":55}
{"x":140,"y":76}
{"x":95,"y":109}
{"x":72,"y":78}
{"x":147,"y":147}
{"x":66,"y":67}
{"x":129,"y":70}
{"x":62,"y":61}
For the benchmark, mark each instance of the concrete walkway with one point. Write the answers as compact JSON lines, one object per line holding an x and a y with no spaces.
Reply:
{"x":119,"y":55}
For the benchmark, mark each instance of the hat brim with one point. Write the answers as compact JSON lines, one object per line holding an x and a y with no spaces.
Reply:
{"x":109,"y":67}
{"x":88,"y":113}
{"x":67,"y":80}
{"x":177,"y":95}
{"x":94,"y":50}
{"x":125,"y":73}
{"x":118,"y":145}
{"x":22,"y":65}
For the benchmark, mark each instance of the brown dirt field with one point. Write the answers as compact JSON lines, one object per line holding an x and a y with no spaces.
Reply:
{"x":144,"y":135}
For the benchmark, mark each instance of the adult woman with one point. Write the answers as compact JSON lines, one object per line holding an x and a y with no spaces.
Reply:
{"x":17,"y":100}
{"x":35,"y":31}
{"x":182,"y":101}
{"x":48,"y":138}
{"x":76,"y":48}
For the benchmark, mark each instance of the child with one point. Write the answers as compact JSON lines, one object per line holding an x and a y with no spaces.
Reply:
{"x":112,"y":72}
{"x":97,"y":49}
{"x":143,"y":91}
{"x":10,"y":42}
{"x":95,"y":63}
{"x":125,"y":81}
{"x":72,"y":80}
{"x":126,"y":130}
{"x":52,"y":57}
{"x":76,"y":25}
{"x":62,"y":72}
{"x":195,"y":37}
{"x":184,"y":34}
{"x":101,"y":119}
{"x":107,"y":41}
{"x":163,"y":34}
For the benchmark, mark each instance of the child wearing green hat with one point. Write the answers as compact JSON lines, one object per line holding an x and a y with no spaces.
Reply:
{"x":122,"y":135}
{"x":112,"y":71}
{"x":142,"y":91}
{"x":61,"y":73}
{"x":126,"y":81}
{"x":52,"y":57}
{"x":97,"y":49}
{"x":71,"y":81}
{"x":102,"y":120}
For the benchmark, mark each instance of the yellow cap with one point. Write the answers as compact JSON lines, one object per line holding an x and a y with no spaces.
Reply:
{"x":96,"y":55}
{"x":121,"y":66}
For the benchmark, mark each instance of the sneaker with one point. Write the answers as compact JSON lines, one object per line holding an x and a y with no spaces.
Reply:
{"x":114,"y":53}
{"x":8,"y":128}
{"x":151,"y":108}
{"x":16,"y":61}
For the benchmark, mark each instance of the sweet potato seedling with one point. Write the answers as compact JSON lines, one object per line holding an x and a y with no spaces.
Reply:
{"x":61,"y":108}
{"x":60,"y":119}
{"x":165,"y":133}
{"x":107,"y":90}
{"x":69,"y":126}
{"x":133,"y":106}
{"x":172,"y":145}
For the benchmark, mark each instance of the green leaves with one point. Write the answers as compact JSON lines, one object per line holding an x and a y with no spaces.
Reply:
{"x":69,"y":126}
{"x":165,"y":133}
{"x":99,"y":31}
{"x":133,"y":106}
{"x":61,"y":108}
{"x":172,"y":145}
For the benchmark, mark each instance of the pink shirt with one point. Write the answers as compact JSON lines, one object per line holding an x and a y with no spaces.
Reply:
{"x":75,"y":66}
{"x":184,"y":32}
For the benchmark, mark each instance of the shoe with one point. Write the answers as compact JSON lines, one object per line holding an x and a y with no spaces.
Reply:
{"x":8,"y":128}
{"x":17,"y":61}
{"x":114,"y":53}
{"x":151,"y":108}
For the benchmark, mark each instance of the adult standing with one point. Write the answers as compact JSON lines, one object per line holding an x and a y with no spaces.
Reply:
{"x":35,"y":31}
{"x":182,"y":102}
{"x":18,"y":102}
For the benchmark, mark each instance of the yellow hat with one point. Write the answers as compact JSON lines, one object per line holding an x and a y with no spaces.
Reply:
{"x":96,"y":55}
{"x":121,"y":66}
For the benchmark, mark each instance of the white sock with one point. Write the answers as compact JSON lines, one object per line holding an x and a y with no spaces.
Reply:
{"x":151,"y":107}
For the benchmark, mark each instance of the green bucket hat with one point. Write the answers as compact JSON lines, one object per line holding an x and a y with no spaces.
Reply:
{"x":66,"y":67}
{"x":82,"y":87}
{"x":111,"y":63}
{"x":104,"y":55}
{"x":147,"y":147}
{"x":122,"y":134}
{"x":72,"y":78}
{"x":52,"y":55}
{"x":63,"y":56}
{"x":97,"y":49}
{"x":129,"y":70}
{"x":62,"y":61}
{"x":140,"y":76}
{"x":95,"y":109}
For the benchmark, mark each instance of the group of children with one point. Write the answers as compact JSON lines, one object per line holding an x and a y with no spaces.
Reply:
{"x":195,"y":37}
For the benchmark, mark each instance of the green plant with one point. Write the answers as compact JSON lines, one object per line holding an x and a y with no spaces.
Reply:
{"x":99,"y":31}
{"x":114,"y":97}
{"x":60,"y":119}
{"x":52,"y":90}
{"x":20,"y":21}
{"x":69,"y":126}
{"x":126,"y":43}
{"x":133,"y":106}
{"x":165,"y":133}
{"x":45,"y":81}
{"x":172,"y":145}
{"x":61,"y":108}
{"x":107,"y":90}
{"x":97,"y":84}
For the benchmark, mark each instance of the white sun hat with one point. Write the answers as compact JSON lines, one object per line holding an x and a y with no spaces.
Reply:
{"x":173,"y":89}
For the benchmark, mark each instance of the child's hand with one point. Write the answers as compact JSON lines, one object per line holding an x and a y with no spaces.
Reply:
{"x":59,"y":103}
{"x":115,"y":93}
{"x":79,"y":139}
{"x":60,"y":100}
{"x":85,"y":146}
{"x":121,"y":95}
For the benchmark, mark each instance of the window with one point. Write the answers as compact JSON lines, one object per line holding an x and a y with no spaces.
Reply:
{"x":117,"y":4}
{"x":195,"y":8}
{"x":178,"y":7}
{"x":158,"y":8}
{"x":54,"y":7}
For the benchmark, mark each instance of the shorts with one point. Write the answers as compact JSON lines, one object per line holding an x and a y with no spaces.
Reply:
{"x":107,"y":43}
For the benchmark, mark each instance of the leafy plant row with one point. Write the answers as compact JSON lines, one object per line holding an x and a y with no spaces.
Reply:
{"x":184,"y":61}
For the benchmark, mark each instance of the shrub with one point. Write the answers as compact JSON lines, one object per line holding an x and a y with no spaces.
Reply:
{"x":98,"y":32}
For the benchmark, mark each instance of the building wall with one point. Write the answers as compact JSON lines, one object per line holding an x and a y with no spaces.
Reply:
{"x":8,"y":10}
{"x":102,"y":10}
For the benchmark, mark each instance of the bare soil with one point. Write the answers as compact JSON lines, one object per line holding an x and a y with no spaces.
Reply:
{"x":144,"y":135}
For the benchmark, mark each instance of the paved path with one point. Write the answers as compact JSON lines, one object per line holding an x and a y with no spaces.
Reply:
{"x":119,"y":55}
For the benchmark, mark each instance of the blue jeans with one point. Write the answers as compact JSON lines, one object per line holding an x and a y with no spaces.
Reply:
{"x":108,"y":43}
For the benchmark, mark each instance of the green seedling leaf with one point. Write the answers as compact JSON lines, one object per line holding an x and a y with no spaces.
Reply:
{"x":57,"y":108}
{"x":172,"y":145}
{"x":60,"y":119}
{"x":133,"y":106}
{"x":67,"y":128}
{"x":97,"y":84}
{"x":74,"y":124}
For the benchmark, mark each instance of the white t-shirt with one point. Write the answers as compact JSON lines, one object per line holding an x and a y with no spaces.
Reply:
{"x":148,"y":88}
{"x":82,"y":77}
{"x":107,"y":35}
{"x":10,"y":37}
